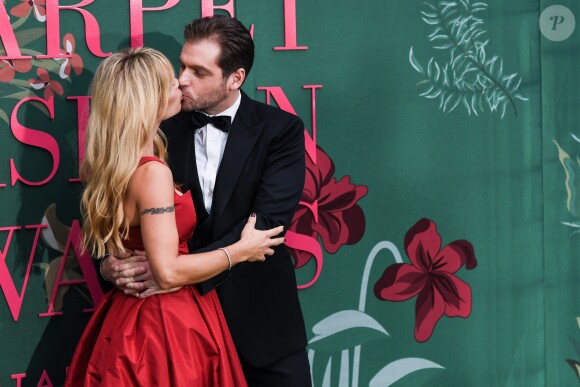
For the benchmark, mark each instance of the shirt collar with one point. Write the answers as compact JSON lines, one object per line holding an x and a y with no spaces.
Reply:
{"x":232,"y":110}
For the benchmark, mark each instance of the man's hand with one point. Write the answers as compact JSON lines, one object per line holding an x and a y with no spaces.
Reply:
{"x":132,"y":274}
{"x":127,"y":271}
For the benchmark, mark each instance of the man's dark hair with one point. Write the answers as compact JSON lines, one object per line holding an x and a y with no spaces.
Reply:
{"x":237,"y":46}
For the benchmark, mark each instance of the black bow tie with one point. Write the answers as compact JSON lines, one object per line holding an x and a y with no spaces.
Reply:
{"x":200,"y":120}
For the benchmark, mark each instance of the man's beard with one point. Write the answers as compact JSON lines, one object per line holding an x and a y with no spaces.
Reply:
{"x":207,"y":101}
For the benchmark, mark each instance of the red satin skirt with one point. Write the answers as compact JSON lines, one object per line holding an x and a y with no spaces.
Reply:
{"x":175,"y":339}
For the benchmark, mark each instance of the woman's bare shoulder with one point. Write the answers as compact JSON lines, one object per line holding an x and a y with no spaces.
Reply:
{"x":151,"y":177}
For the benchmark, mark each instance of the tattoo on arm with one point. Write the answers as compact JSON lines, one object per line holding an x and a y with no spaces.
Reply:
{"x":157,"y":211}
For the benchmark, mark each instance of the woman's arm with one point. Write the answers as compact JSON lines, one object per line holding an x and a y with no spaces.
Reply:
{"x":152,"y":192}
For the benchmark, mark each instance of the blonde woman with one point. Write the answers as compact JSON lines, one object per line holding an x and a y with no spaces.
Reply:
{"x":176,"y":337}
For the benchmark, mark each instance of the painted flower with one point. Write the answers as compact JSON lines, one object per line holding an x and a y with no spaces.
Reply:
{"x":8,"y":68}
{"x":75,"y":61}
{"x":339,"y":220}
{"x":44,"y":82}
{"x":431,"y":277}
{"x":25,"y":6}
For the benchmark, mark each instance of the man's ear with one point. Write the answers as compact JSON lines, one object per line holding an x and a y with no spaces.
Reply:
{"x":236,"y":79}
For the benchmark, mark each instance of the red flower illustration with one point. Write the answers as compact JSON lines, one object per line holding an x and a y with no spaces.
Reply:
{"x":44,"y":82}
{"x":75,"y":61}
{"x":431,"y":276}
{"x":9,"y":67}
{"x":25,"y":6}
{"x":340,"y":220}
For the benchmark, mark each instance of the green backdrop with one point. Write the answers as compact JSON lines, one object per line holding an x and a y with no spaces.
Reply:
{"x":460,"y":115}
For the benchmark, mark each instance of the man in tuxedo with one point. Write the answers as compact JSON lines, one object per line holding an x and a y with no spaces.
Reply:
{"x":237,"y":156}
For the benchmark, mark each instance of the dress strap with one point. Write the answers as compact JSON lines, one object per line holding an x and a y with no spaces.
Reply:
{"x":146,"y":159}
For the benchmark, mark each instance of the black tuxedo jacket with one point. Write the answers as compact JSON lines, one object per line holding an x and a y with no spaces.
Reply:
{"x":262,"y":171}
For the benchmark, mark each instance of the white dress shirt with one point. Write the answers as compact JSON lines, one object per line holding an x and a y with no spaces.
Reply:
{"x":210,"y":143}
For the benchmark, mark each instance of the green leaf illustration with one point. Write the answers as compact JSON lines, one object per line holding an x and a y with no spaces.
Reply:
{"x":470,"y":78}
{"x":3,"y":116}
{"x":572,"y":170}
{"x":20,"y":21}
{"x":345,"y":329}
{"x":20,"y":95}
{"x":25,"y":37}
{"x":396,"y":370}
{"x":12,"y":87}
{"x":575,"y":366}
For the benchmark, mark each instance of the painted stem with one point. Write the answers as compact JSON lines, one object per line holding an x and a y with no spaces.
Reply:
{"x":363,"y":295}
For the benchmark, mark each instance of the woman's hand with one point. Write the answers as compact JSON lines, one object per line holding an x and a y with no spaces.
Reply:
{"x":257,"y":244}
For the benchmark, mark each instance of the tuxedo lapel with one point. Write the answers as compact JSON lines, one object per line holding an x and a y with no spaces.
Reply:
{"x":241,"y":139}
{"x":182,"y":158}
{"x":195,"y":186}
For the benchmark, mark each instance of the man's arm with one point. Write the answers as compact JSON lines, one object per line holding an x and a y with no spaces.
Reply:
{"x":278,"y":193}
{"x":103,"y":279}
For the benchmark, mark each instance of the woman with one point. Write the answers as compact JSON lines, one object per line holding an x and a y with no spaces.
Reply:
{"x":177,"y":337}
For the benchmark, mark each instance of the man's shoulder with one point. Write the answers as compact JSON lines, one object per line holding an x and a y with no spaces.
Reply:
{"x":273,"y":114}
{"x":179,"y":120}
{"x":269,"y":109}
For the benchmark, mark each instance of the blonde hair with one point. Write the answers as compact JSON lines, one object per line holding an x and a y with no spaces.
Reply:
{"x":129,"y":96}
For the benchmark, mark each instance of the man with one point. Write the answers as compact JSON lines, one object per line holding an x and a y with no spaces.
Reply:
{"x":255,"y":167}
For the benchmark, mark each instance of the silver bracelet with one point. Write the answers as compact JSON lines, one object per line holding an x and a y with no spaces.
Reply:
{"x":101,"y":266}
{"x":227,"y":255}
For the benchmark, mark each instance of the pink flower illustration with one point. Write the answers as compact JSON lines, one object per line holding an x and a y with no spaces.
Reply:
{"x":75,"y":61}
{"x":25,"y":6}
{"x":8,"y":68}
{"x":339,"y":220}
{"x":44,"y":82}
{"x":431,"y":277}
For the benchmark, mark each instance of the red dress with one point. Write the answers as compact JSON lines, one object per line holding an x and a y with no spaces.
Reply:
{"x":174,"y":339}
